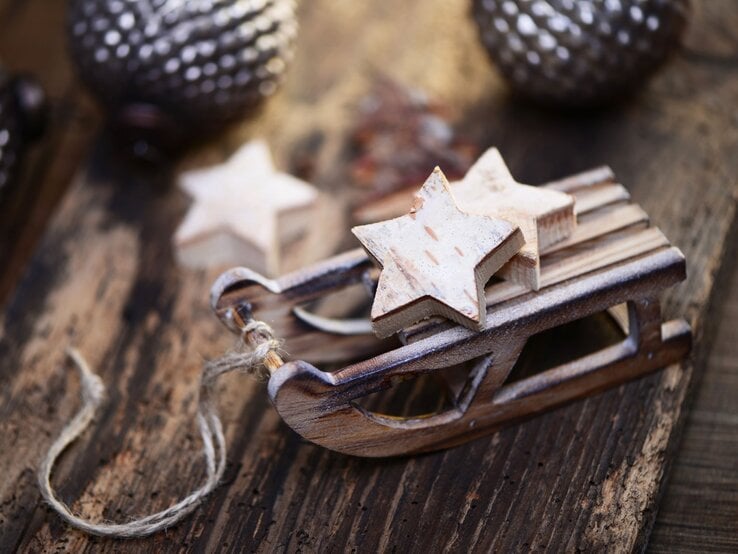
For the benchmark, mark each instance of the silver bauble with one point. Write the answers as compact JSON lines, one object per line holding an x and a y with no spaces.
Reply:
{"x":180,"y":67}
{"x":579,"y":52}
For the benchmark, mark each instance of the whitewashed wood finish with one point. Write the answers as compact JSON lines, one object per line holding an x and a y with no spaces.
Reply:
{"x":544,"y":216}
{"x":245,"y":212}
{"x":435,"y":260}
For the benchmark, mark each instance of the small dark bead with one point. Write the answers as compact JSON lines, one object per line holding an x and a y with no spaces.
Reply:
{"x":23,"y":115}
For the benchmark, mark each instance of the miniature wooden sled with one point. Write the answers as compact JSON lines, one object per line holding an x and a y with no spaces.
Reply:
{"x":614,"y":262}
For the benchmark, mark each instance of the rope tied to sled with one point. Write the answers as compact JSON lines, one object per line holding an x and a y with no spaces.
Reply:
{"x":256,"y":355}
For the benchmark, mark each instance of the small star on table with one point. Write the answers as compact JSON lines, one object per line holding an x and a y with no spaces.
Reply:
{"x":544,"y":216}
{"x":435,"y":260}
{"x":244,"y":212}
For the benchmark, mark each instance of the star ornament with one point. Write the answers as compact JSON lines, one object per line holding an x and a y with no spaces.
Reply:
{"x":545,"y":216}
{"x":435,"y":260}
{"x":244,"y":212}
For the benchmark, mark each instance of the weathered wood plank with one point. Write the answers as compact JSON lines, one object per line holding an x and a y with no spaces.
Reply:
{"x":585,"y":476}
{"x":699,"y":512}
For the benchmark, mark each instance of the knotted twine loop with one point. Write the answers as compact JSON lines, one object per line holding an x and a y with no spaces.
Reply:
{"x":258,"y":362}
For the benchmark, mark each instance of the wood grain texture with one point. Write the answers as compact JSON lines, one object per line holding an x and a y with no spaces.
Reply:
{"x":586,"y":476}
{"x":699,"y":512}
{"x":435,"y":260}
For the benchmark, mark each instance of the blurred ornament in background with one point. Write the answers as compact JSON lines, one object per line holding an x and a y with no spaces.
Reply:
{"x":401,"y":134}
{"x":583,"y":52}
{"x":23,"y":114}
{"x":170,"y":72}
{"x":247,"y":212}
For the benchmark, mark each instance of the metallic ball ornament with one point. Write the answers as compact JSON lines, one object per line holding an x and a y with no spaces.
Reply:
{"x":579,"y":52}
{"x":167,"y":71}
{"x":22,"y":119}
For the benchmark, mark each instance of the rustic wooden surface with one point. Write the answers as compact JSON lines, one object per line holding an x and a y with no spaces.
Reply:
{"x":699,"y":511}
{"x":587,"y":476}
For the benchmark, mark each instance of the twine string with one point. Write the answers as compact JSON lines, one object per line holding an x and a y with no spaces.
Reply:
{"x":250,"y":361}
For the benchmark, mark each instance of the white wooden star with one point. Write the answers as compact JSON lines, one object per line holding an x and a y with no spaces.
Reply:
{"x":545,"y":216}
{"x":435,"y":260}
{"x":244,"y":212}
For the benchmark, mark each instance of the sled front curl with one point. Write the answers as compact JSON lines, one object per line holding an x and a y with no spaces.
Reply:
{"x":613,"y":258}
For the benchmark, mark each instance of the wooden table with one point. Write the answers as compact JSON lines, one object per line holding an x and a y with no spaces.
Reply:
{"x":101,"y":276}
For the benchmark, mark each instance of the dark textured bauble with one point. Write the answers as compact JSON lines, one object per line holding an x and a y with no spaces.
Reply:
{"x":171,"y":69}
{"x":579,"y":52}
{"x":22,"y":117}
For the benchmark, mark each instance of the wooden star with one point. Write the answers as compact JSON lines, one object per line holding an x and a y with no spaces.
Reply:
{"x":244,"y":212}
{"x":435,"y":260}
{"x":544,"y":216}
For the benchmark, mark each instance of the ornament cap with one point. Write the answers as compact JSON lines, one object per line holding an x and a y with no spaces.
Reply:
{"x":32,"y":104}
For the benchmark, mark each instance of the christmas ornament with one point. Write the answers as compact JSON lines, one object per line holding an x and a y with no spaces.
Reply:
{"x":580,"y":52}
{"x":22,"y":119}
{"x":460,"y":252}
{"x":169,"y":71}
{"x":612,"y":257}
{"x":400,"y":133}
{"x":246,"y":212}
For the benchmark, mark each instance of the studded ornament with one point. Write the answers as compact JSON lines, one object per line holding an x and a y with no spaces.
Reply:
{"x":169,"y":71}
{"x":579,"y":53}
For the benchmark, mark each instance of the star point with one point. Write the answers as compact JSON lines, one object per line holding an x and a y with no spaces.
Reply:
{"x":544,"y":216}
{"x":243,"y":212}
{"x":435,"y":260}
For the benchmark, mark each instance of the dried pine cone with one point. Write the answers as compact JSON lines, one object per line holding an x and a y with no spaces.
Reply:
{"x":579,"y":52}
{"x":399,"y":135}
{"x":173,"y":69}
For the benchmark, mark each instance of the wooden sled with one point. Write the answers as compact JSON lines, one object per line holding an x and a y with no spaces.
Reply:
{"x":614,"y":262}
